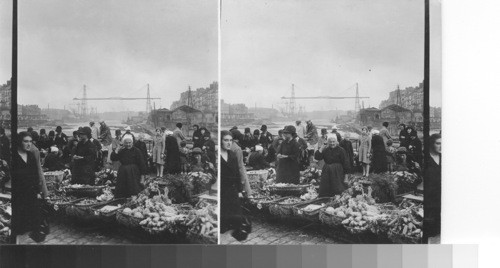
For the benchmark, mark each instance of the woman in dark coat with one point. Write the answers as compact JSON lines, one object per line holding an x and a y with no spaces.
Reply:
{"x":172,"y":154}
{"x":30,"y":189}
{"x":403,"y":135}
{"x":197,"y":137}
{"x":133,"y":166}
{"x":231,"y":187}
{"x":415,"y":148}
{"x":84,"y":159}
{"x":209,"y":148}
{"x":335,"y":169}
{"x":346,"y":144}
{"x":288,"y":154}
{"x":432,"y":201}
{"x":379,"y":155}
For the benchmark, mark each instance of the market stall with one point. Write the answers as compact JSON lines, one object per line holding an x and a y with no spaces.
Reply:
{"x":171,"y":209}
{"x":380,"y":208}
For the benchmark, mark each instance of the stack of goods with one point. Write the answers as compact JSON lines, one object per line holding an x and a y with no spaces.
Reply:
{"x":407,"y":226}
{"x":406,"y":181}
{"x":159,"y":217}
{"x":257,"y":178}
{"x":53,"y":179}
{"x":361,"y":213}
{"x":203,"y":225}
{"x":106,"y":177}
{"x":5,"y":220}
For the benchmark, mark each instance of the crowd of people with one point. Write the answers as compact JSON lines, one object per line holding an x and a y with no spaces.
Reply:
{"x":92,"y":148}
{"x":298,"y":147}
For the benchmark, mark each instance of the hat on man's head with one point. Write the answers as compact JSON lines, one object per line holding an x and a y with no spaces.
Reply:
{"x":289,"y":129}
{"x":263,"y":128}
{"x":85,"y":131}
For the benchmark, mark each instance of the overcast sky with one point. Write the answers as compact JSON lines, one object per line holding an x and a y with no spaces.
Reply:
{"x":115,"y":47}
{"x":5,"y":41}
{"x":324,"y":48}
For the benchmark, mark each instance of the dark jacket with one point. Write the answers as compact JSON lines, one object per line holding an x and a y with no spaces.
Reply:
{"x":141,"y":145}
{"x":256,"y":160}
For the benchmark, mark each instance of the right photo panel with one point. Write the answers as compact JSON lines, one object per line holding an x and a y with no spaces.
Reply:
{"x":322,"y":122}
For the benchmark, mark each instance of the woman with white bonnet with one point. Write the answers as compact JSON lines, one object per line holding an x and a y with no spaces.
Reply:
{"x":131,"y":171}
{"x":128,"y":132}
{"x":335,"y":169}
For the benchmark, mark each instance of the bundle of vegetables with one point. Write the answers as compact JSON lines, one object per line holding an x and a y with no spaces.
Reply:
{"x":139,"y":207}
{"x":310,"y":195}
{"x":360,"y":214}
{"x":106,"y":195}
{"x":160,"y":217}
{"x":407,"y":226}
{"x":200,"y":181}
{"x":5,"y":221}
{"x":106,"y":177}
{"x":203,"y":225}
{"x":384,"y":188}
{"x":406,"y":181}
{"x":179,"y":188}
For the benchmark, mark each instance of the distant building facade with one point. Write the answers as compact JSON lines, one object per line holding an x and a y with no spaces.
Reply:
{"x":235,"y":113}
{"x":412,"y":98}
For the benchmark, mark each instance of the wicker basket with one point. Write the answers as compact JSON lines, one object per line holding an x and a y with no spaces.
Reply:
{"x":295,"y":190}
{"x":362,"y":230}
{"x":111,"y":215}
{"x":309,"y":215}
{"x":83,"y":212}
{"x":128,"y":221}
{"x":195,"y":238}
{"x":282,"y":210}
{"x":60,"y":207}
{"x":330,"y":220}
{"x":86,"y":191}
{"x":263,"y":205}
{"x":397,"y":238}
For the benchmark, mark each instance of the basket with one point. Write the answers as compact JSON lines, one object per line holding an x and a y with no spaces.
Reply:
{"x":264,"y":205}
{"x":309,"y":215}
{"x":359,"y":230}
{"x":257,"y":175}
{"x":54,"y":176}
{"x":195,"y":238}
{"x":397,"y":238}
{"x":282,"y":210}
{"x":295,"y":190}
{"x":60,"y":207}
{"x":330,"y":220}
{"x":128,"y":221}
{"x":83,"y":212}
{"x":85,"y":191}
{"x":111,"y":215}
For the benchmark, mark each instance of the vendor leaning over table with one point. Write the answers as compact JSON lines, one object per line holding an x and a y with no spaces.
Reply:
{"x":132,"y":169}
{"x":288,"y":170}
{"x":84,"y":159}
{"x":335,"y":169}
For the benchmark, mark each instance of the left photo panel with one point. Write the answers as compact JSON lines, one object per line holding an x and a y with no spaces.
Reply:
{"x":6,"y":30}
{"x":117,"y":123}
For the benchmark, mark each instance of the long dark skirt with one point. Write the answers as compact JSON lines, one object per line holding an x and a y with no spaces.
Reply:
{"x":28,"y":214}
{"x":332,"y":180}
{"x":288,"y":171}
{"x":83,"y":174}
{"x":230,"y":209}
{"x":379,"y":162}
{"x":128,"y":181}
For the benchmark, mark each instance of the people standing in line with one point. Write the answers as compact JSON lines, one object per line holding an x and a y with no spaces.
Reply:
{"x":141,"y":145}
{"x":337,"y":134}
{"x":158,"y":152}
{"x":172,"y":154}
{"x":403,"y":135}
{"x":232,"y":219}
{"x":106,"y":139}
{"x":335,"y":170}
{"x":266,"y":138}
{"x":346,"y":144}
{"x":84,"y":159}
{"x":60,"y":138}
{"x":256,"y":159}
{"x":115,"y":143}
{"x":379,"y":154}
{"x":197,"y":137}
{"x":95,"y":130}
{"x":288,"y":170}
{"x":364,"y":151}
{"x":29,"y":192}
{"x":177,"y":134}
{"x":432,"y":201}
{"x":300,"y":130}
{"x":132,"y":169}
{"x":384,"y":133}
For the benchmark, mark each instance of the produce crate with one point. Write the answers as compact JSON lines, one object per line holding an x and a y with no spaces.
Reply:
{"x":295,"y":190}
{"x":85,"y":191}
{"x":329,"y":220}
{"x":283,"y":211}
{"x":195,"y":238}
{"x":83,"y":212}
{"x":257,"y":175}
{"x":309,"y":215}
{"x":109,"y":216}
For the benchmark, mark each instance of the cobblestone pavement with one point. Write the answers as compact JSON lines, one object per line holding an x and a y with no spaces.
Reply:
{"x":267,"y":232}
{"x":68,"y":232}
